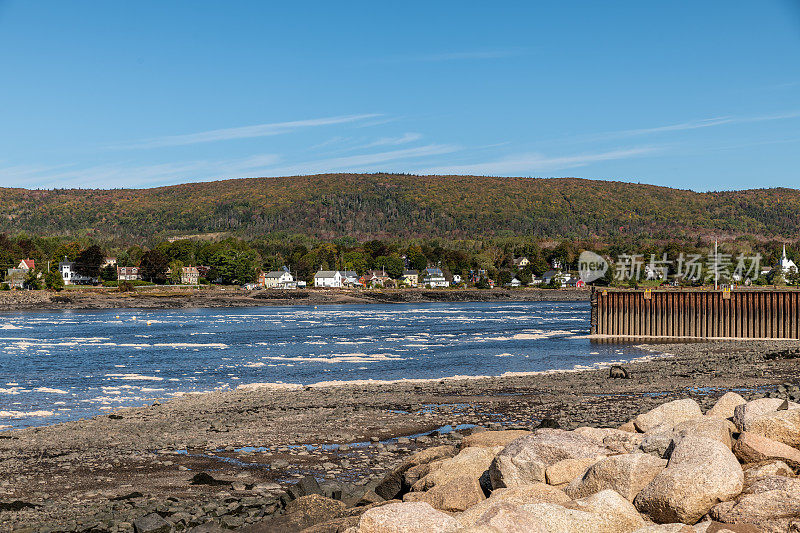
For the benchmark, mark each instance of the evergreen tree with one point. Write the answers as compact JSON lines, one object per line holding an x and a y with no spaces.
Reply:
{"x":108,"y":273}
{"x":53,"y":281}
{"x":33,"y":280}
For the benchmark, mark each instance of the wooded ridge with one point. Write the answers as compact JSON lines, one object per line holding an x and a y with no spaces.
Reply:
{"x":366,"y":206}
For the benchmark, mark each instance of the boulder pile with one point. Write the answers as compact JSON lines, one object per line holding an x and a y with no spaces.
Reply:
{"x":671,"y":469}
{"x":733,"y":468}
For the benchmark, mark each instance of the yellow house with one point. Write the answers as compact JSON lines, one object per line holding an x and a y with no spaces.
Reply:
{"x":411,"y":277}
{"x":521,"y":262}
{"x":278,"y":279}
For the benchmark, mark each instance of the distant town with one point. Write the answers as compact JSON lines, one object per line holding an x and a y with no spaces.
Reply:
{"x":26,"y":275}
{"x":374,"y":264}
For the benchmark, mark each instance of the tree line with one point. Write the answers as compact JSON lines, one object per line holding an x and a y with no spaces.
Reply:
{"x":238,"y":261}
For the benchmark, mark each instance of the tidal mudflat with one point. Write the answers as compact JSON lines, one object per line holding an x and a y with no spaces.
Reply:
{"x":103,"y":472}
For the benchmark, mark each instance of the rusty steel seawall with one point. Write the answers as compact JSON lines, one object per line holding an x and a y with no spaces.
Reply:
{"x":696,"y":313}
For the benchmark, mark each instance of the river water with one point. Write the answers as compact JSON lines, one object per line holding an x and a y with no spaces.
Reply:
{"x":57,"y":366}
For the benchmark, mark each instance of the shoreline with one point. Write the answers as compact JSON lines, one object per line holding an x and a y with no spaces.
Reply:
{"x":276,"y":386}
{"x":651,"y":354}
{"x":347,"y":436}
{"x":190,"y":298}
{"x":601,"y":365}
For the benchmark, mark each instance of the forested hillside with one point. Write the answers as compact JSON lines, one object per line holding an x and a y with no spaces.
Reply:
{"x":366,"y":206}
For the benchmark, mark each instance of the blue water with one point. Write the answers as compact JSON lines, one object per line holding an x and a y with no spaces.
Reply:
{"x":57,"y":366}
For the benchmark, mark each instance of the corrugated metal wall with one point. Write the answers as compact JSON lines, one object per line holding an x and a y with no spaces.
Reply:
{"x":696,"y":313}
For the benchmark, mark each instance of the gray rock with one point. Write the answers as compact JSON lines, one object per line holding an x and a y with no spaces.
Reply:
{"x":279,"y":464}
{"x":151,"y":523}
{"x":781,"y":426}
{"x":523,"y":494}
{"x":305,"y":487}
{"x":752,"y":448}
{"x":668,"y":413}
{"x":726,"y":405}
{"x":301,"y":513}
{"x":657,"y":442}
{"x":627,"y":474}
{"x":509,"y":518}
{"x":745,"y":413}
{"x":411,"y":517}
{"x":525,"y":460}
{"x":700,"y":473}
{"x":208,"y":527}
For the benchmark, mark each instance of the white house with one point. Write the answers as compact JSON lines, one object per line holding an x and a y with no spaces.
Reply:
{"x":71,"y":276}
{"x":279,"y":279}
{"x":514,"y":283}
{"x":456,"y":279}
{"x":787,"y":265}
{"x":349,"y":278}
{"x":434,"y":277}
{"x":190,"y":275}
{"x":30,"y":264}
{"x":128,"y":273}
{"x":328,"y":279}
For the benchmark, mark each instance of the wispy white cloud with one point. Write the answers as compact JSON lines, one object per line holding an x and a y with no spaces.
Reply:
{"x":697,"y":124}
{"x":130,"y":175}
{"x":526,"y":164}
{"x":245,"y":132}
{"x":333,"y":140}
{"x":136,"y":176}
{"x":394,"y":141}
{"x":787,"y":85}
{"x":340,"y":145}
{"x":363,"y":162}
{"x":19,"y":175}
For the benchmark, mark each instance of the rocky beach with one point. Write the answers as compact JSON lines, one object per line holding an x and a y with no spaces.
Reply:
{"x":330,"y":457}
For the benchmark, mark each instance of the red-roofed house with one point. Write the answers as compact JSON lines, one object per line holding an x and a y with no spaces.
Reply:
{"x":27,"y":264}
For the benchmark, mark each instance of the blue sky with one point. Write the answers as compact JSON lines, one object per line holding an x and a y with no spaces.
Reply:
{"x":699,"y":95}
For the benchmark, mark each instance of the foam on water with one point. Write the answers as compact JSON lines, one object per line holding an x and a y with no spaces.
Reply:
{"x":342,"y":358}
{"x":134,"y":377}
{"x":103,"y":359}
{"x":50,"y":390}
{"x":25,"y":414}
